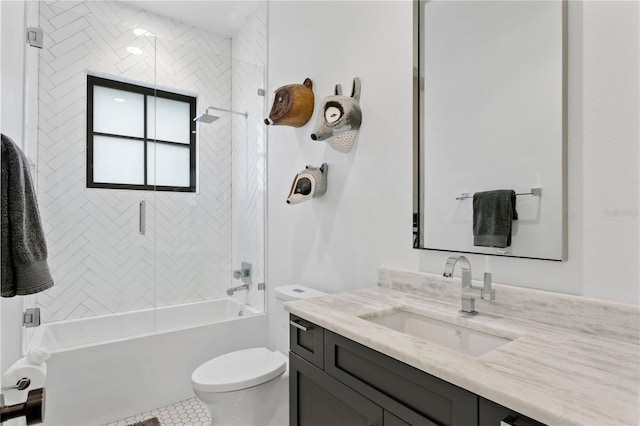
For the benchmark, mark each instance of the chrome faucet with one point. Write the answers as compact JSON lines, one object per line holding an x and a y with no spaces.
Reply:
{"x":243,"y":274}
{"x":232,"y":290}
{"x":469,"y":292}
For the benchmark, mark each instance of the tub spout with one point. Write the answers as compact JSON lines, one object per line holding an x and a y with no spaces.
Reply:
{"x":232,"y":290}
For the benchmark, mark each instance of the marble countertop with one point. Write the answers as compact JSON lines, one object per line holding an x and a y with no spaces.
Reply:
{"x":555,"y":375}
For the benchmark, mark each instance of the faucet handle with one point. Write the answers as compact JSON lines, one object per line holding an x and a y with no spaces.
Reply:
{"x":487,"y":292}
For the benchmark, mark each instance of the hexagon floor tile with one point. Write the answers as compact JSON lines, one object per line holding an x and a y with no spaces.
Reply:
{"x":190,"y":412}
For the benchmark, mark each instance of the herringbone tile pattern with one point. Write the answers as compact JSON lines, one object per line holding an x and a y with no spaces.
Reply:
{"x":100,"y":262}
{"x":249,"y":150}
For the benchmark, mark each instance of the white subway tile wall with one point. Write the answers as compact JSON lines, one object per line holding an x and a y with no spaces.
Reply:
{"x":100,"y":262}
{"x":250,"y":155}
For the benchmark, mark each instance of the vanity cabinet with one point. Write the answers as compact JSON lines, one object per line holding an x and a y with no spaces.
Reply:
{"x":336,"y":381}
{"x":321,"y":400}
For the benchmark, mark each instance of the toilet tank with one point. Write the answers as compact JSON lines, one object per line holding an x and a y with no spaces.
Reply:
{"x":281,"y":316}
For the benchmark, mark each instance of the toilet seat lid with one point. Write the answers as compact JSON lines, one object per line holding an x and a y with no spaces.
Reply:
{"x":238,"y":370}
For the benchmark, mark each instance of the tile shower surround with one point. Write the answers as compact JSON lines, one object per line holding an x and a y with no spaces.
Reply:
{"x":100,"y":263}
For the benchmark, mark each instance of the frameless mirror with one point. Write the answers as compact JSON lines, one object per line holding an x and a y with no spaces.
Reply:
{"x":490,"y":114}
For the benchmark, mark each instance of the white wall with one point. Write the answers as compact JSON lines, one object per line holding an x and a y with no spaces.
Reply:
{"x":11,"y":120}
{"x":611,"y":150}
{"x":336,"y":242}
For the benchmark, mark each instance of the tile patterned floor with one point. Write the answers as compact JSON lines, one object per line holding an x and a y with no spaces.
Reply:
{"x":190,"y":412}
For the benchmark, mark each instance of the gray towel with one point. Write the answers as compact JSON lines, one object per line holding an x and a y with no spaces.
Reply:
{"x":493,"y":214}
{"x":24,"y":250}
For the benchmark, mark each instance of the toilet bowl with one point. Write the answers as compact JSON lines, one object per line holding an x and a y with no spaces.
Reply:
{"x":250,"y":387}
{"x":244,"y":387}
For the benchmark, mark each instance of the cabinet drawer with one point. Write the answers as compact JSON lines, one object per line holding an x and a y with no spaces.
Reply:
{"x":492,"y":414}
{"x":397,"y":386}
{"x":317,"y":399}
{"x":306,"y":340}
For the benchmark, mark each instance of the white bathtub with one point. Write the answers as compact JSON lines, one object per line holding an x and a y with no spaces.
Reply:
{"x":109,"y":367}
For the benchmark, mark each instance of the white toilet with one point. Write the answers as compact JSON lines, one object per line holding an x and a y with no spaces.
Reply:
{"x":250,"y":387}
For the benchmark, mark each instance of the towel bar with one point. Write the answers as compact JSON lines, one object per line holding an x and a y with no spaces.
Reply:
{"x":534,"y":191}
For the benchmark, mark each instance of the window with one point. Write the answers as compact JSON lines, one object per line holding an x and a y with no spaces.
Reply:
{"x":139,"y":137}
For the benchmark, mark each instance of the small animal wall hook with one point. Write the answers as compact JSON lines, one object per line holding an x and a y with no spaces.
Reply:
{"x":308,"y":183}
{"x":340,"y":118}
{"x":292,"y":105}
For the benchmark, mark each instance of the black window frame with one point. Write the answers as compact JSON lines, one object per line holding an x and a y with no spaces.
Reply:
{"x":93,"y":81}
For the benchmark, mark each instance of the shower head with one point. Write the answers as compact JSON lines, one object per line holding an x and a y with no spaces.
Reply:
{"x":206,"y":118}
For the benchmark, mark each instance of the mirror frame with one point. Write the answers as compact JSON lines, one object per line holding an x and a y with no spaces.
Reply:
{"x":418,"y":139}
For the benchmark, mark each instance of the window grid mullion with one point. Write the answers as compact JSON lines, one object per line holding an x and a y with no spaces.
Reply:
{"x":141,"y":139}
{"x":96,"y":81}
{"x":145,"y":141}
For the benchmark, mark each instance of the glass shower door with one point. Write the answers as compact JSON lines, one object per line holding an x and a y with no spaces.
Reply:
{"x":101,"y":262}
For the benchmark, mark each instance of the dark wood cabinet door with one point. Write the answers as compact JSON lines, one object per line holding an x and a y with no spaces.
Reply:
{"x":391,"y":419}
{"x":317,"y":399}
{"x":398,"y":387}
{"x":307,"y":340}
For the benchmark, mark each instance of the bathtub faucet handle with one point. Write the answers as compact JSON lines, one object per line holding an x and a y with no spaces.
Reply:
{"x":244,"y":273}
{"x":240,"y":273}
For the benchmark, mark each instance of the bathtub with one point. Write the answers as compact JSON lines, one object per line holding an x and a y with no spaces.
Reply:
{"x":109,"y":367}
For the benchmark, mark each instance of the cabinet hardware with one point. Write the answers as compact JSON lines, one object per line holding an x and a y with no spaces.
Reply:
{"x":300,"y":326}
{"x":508,"y":421}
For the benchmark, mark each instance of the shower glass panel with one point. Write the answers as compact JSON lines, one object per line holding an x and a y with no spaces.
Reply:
{"x":121,"y":251}
{"x":203,"y":235}
{"x":249,"y":173}
{"x":101,"y":263}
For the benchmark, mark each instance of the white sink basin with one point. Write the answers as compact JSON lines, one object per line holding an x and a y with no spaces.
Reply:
{"x":443,"y":333}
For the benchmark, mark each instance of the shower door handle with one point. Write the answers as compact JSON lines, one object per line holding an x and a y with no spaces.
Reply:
{"x":143,"y":217}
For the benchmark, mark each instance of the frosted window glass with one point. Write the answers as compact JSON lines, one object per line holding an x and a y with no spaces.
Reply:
{"x":168,"y":164}
{"x":168,"y":119}
{"x":118,"y":112}
{"x":118,"y":160}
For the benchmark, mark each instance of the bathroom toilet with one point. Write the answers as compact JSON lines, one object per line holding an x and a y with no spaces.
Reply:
{"x":250,"y":387}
